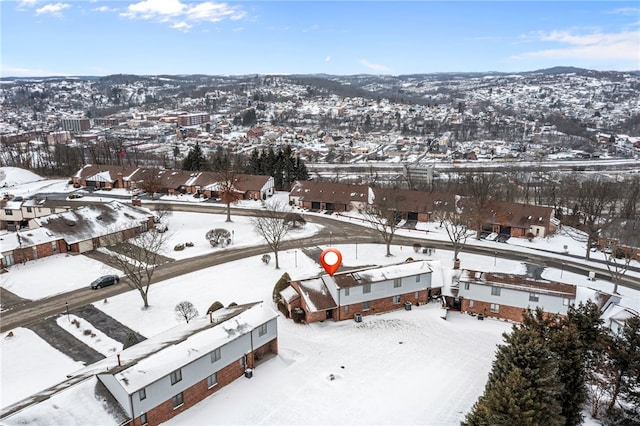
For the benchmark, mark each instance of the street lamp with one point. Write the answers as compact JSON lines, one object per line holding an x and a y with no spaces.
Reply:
{"x":562,"y":270}
{"x":66,"y":304}
{"x":495,"y":257}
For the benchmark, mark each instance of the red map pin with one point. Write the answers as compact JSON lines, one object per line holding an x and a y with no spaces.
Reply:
{"x":331,"y":259}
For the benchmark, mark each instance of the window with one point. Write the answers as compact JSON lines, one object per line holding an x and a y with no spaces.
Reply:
{"x":262,"y":330}
{"x":495,"y":308}
{"x":396,"y":300}
{"x":212,"y":380}
{"x":397,"y":282}
{"x":533,"y":297}
{"x":470,"y":303}
{"x":215,"y":355}
{"x":366,"y":306}
{"x":466,"y":286}
{"x":143,"y":419}
{"x":346,"y":309}
{"x":54,"y":247}
{"x":177,"y":400}
{"x":53,"y":210}
{"x":142,"y":394}
{"x":8,"y":212}
{"x":176,"y":376}
{"x":417,"y":278}
{"x":366,"y":288}
{"x":346,"y":291}
{"x":29,"y":209}
{"x":495,"y":291}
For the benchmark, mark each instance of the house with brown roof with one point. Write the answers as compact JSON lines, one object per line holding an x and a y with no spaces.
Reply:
{"x":363,"y":291}
{"x":519,"y":220}
{"x":507,"y":296}
{"x":168,"y":181}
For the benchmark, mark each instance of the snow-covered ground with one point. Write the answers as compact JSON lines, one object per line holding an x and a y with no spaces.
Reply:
{"x":404,"y":367}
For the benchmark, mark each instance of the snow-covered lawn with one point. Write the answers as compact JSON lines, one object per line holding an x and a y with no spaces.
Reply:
{"x":52,"y":275}
{"x":30,"y":365}
{"x":82,"y":330}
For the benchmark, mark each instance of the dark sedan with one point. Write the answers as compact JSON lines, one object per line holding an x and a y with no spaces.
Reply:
{"x":105,"y":281}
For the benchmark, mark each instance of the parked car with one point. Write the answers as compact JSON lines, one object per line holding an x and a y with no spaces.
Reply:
{"x":75,"y":195}
{"x":492,"y":236}
{"x":105,"y":281}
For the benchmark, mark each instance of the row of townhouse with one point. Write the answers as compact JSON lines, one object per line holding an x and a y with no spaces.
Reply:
{"x":167,"y":181}
{"x":363,"y":291}
{"x":513,"y":219}
{"x":76,"y":231}
{"x":16,"y":214}
{"x":161,"y":377}
{"x":507,"y":296}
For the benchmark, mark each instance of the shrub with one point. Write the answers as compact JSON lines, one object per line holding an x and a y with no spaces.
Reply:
{"x":87,"y":332}
{"x":179,"y":247}
{"x":266,"y":259}
{"x":214,"y":307}
{"x":530,"y":236}
{"x":282,"y":283}
{"x":189,"y":244}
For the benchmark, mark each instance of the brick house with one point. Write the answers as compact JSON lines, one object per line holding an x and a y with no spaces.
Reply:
{"x":171,"y":182}
{"x":518,"y":220}
{"x":27,"y":245}
{"x":365,"y":291}
{"x":506,"y":296}
{"x":152,"y":381}
{"x":89,"y":227}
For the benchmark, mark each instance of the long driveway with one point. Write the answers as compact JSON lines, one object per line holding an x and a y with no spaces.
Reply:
{"x":27,"y":312}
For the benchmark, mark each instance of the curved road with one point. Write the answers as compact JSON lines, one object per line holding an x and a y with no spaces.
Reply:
{"x":334,"y":232}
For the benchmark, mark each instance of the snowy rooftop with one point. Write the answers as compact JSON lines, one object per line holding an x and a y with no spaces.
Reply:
{"x":380,"y":273}
{"x":158,"y":356}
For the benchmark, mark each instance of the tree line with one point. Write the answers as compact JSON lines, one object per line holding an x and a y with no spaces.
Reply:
{"x":283,"y":165}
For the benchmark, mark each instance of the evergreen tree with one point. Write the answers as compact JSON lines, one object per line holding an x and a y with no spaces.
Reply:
{"x":194,"y":160}
{"x":625,"y":364}
{"x":301,"y":171}
{"x":523,"y":385}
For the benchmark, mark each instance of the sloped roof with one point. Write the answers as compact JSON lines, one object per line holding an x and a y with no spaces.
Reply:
{"x":518,"y":282}
{"x":338,"y":193}
{"x":158,"y":356}
{"x":93,"y":221}
{"x":380,"y":273}
{"x":316,"y":295}
{"x":105,"y":173}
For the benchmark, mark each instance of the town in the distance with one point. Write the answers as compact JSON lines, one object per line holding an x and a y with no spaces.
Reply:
{"x":447,"y":248}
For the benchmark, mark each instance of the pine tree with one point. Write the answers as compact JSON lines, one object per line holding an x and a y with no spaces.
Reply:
{"x":625,"y":364}
{"x":194,"y":160}
{"x":523,"y":385}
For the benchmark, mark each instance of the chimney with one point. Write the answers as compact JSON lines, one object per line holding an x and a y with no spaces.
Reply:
{"x":119,"y":364}
{"x":211,"y":317}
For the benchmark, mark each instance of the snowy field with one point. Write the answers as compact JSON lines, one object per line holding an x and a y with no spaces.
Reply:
{"x":403,"y":367}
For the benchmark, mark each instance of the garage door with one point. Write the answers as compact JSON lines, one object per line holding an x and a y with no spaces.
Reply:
{"x":85,"y":246}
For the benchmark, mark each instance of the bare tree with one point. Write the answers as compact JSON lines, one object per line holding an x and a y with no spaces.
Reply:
{"x":272,"y":225}
{"x":621,"y":241}
{"x":593,"y":205}
{"x":227,"y":187}
{"x":138,"y":258}
{"x":186,"y":311}
{"x":150,"y":180}
{"x":384,"y":212}
{"x":481,"y":189}
{"x":457,"y":225}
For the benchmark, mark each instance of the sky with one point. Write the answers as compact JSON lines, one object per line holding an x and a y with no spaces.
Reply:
{"x":151,"y":37}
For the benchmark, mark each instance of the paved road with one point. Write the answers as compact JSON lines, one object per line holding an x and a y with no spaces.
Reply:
{"x":334,"y":232}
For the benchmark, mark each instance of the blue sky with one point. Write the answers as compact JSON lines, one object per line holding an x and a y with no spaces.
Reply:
{"x":64,"y":37}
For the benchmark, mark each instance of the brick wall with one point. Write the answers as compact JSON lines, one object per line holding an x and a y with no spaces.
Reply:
{"x":199,"y":391}
{"x":382,"y":305}
{"x":505,"y":312}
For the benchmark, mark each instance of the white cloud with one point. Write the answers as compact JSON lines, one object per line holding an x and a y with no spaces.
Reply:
{"x":625,"y":11}
{"x":181,"y":26}
{"x":372,"y":66}
{"x":54,"y":9}
{"x":315,"y":27}
{"x":181,"y":14}
{"x":327,"y":59}
{"x":103,"y":9}
{"x":592,"y":46}
{"x":26,"y":3}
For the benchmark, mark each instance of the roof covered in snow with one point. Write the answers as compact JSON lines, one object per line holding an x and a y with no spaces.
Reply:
{"x":157,"y":357}
{"x":380,"y":273}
